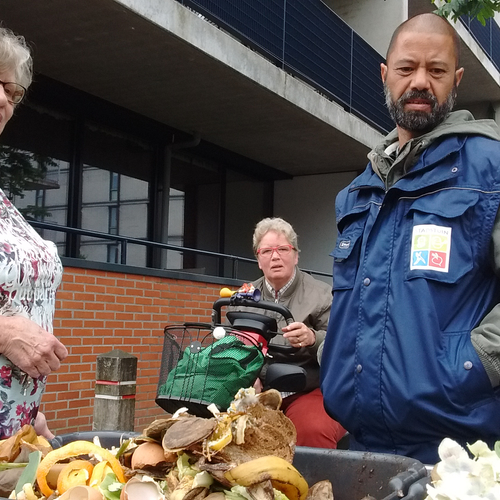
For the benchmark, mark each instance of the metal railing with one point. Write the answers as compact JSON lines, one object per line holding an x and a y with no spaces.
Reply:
{"x":307,"y":39}
{"x":488,"y":37}
{"x":124,"y":241}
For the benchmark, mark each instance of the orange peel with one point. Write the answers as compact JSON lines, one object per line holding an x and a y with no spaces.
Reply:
{"x":75,"y":473}
{"x":74,"y":449}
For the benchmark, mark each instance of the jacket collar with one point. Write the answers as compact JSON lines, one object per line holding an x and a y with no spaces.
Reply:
{"x":457,"y":124}
{"x":290,"y":290}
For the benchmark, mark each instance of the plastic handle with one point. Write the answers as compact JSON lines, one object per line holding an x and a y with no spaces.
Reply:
{"x":240,"y":301}
{"x":418,"y":490}
{"x":400,"y":483}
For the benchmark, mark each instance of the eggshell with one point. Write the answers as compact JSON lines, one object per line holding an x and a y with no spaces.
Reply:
{"x":140,"y":489}
{"x":147,"y":453}
{"x":82,"y":493}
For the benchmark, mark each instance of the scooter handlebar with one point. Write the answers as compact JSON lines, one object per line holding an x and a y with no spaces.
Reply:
{"x":241,"y":301}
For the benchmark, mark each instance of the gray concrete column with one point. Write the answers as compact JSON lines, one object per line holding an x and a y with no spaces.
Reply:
{"x":114,"y":404}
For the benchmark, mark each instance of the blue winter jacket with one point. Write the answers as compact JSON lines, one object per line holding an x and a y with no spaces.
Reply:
{"x":412,"y":278}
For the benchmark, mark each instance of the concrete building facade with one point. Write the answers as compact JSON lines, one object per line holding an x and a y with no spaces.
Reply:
{"x":177,"y":97}
{"x":185,"y":122}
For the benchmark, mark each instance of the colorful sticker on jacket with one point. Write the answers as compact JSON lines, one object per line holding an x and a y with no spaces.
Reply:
{"x":430,"y":247}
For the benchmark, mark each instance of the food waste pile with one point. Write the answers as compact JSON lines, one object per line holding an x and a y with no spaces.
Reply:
{"x":244,"y":453}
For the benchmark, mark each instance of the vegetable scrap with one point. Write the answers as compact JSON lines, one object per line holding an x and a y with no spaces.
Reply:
{"x":465,"y":475}
{"x":245,"y":453}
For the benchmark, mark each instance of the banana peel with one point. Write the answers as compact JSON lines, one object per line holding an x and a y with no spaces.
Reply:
{"x":283,"y":476}
{"x":261,"y":491}
{"x":98,"y":474}
{"x":185,"y":485}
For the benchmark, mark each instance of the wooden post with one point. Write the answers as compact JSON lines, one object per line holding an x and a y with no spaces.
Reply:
{"x":114,"y":404}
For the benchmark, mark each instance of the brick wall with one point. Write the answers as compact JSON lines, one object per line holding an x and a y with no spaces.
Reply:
{"x":98,"y":311}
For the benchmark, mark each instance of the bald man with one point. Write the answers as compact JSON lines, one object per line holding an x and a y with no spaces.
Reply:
{"x":412,"y":352}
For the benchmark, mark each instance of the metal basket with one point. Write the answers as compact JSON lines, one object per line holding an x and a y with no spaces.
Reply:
{"x":193,"y":337}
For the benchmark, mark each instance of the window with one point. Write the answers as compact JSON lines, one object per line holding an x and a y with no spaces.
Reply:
{"x":194,"y":212}
{"x":113,"y":220}
{"x":40,"y":202}
{"x":73,"y":170}
{"x":113,"y":186}
{"x":113,"y":254}
{"x":115,"y":191}
{"x":34,"y":155}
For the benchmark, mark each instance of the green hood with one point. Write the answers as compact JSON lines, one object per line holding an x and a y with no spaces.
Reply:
{"x":457,"y":122}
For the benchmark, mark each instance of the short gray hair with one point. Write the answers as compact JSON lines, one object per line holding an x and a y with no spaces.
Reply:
{"x":277,"y":225}
{"x":15,"y":56}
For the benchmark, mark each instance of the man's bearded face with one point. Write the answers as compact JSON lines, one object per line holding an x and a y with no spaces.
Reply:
{"x":419,"y":121}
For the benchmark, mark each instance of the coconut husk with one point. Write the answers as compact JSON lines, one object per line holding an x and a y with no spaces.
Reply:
{"x":156,"y":429}
{"x":186,"y":432}
{"x":267,"y":432}
{"x":270,"y":399}
{"x":217,"y":471}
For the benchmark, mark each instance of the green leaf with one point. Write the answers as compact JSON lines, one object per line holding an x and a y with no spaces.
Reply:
{"x":237,"y":493}
{"x":482,"y":10}
{"x":497,"y":448}
{"x":122,"y":448}
{"x":12,"y":465}
{"x":110,"y":487}
{"x":29,"y":473}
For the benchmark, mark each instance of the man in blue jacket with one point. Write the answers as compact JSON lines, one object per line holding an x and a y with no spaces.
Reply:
{"x":412,"y":353}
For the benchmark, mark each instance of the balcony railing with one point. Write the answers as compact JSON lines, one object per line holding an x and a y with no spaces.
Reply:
{"x":308,"y":40}
{"x":488,"y":37}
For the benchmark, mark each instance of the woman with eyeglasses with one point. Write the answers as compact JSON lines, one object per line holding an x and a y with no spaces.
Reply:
{"x":309,"y":300}
{"x":30,"y":272}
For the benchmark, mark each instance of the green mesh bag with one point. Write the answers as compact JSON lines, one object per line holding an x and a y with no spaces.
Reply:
{"x":215,"y":373}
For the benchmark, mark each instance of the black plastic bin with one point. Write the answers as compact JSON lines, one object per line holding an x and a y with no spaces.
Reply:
{"x":106,"y":438}
{"x":353,"y":474}
{"x":356,"y":474}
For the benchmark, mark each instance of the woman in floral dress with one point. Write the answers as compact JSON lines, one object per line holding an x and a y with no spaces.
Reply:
{"x":30,"y":272}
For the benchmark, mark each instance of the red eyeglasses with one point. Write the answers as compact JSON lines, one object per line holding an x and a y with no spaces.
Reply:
{"x":282,"y":250}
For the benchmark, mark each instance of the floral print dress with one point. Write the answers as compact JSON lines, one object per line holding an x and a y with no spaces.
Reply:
{"x":30,"y":273}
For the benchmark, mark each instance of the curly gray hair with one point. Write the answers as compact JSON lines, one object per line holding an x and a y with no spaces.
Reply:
{"x":277,"y":225}
{"x":15,"y":56}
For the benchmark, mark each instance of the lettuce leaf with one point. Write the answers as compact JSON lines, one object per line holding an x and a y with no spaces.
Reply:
{"x":110,"y":487}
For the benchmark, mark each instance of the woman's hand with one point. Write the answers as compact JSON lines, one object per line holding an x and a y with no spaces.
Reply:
{"x":299,"y":335}
{"x":41,"y":427}
{"x":30,"y":347}
{"x":258,"y":386}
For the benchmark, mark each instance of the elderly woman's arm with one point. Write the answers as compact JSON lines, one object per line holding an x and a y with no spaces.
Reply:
{"x":30,"y":347}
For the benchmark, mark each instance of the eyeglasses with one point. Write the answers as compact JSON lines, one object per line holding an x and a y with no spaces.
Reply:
{"x":282,"y":250}
{"x":13,"y":91}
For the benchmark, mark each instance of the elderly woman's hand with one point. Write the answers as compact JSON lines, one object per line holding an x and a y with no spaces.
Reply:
{"x":41,"y":427}
{"x":299,"y":335}
{"x":29,"y":347}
